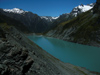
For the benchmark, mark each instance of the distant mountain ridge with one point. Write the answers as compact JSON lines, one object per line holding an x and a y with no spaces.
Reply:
{"x":74,"y":13}
{"x":20,"y":11}
{"x":32,"y":21}
{"x":40,"y":24}
{"x":15,"y":10}
{"x":77,"y":10}
{"x":49,"y":18}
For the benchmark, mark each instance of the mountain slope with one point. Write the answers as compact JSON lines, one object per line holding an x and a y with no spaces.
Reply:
{"x":74,"y":13}
{"x":84,"y":29}
{"x":15,"y":23}
{"x":32,"y":21}
{"x":20,"y":56}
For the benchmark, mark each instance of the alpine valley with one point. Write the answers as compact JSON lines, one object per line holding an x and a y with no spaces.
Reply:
{"x":21,"y":56}
{"x":83,"y":29}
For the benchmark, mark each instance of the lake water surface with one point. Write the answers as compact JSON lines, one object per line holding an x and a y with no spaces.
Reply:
{"x":76,"y":54}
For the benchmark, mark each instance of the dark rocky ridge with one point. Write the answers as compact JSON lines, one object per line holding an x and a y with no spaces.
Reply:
{"x":20,"y":56}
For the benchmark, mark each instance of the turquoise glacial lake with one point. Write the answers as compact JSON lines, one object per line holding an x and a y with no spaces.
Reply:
{"x":76,"y":54}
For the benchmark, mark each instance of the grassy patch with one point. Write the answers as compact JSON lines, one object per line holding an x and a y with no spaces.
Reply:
{"x":5,"y":26}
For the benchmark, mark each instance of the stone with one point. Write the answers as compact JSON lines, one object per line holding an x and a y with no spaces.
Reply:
{"x":24,"y":54}
{"x":5,"y":62}
{"x":27,"y":66}
{"x":3,"y":46}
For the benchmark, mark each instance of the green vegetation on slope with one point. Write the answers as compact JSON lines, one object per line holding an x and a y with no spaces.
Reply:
{"x":9,"y":21}
{"x":85,"y":28}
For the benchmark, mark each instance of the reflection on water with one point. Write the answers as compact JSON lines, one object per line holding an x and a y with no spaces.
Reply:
{"x":80,"y":55}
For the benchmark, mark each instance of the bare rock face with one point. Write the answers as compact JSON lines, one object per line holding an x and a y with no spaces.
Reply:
{"x":96,"y":8}
{"x":98,"y":1}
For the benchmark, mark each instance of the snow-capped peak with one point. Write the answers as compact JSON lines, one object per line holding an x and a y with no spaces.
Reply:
{"x":15,"y":10}
{"x":82,"y":8}
{"x":55,"y":17}
{"x":44,"y":17}
{"x":49,"y":18}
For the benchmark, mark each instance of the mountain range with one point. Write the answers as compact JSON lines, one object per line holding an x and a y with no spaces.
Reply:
{"x":83,"y":29}
{"x":74,"y":13}
{"x":54,"y":26}
{"x":40,"y":24}
{"x":20,"y":56}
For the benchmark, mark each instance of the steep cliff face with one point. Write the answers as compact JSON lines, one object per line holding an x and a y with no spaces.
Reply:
{"x":83,"y":29}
